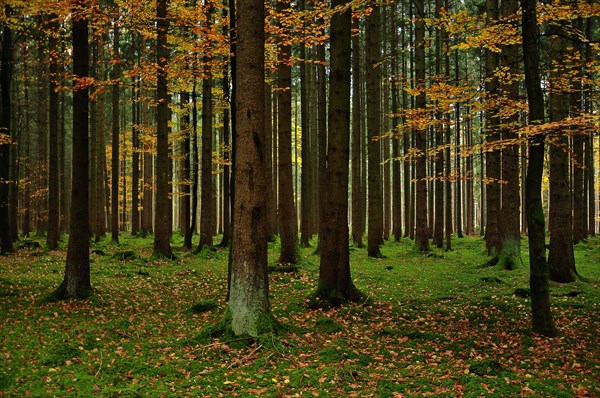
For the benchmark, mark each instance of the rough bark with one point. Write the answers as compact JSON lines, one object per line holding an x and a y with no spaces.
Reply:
{"x":249,"y":290}
{"x":335,"y":281}
{"x":116,"y":132}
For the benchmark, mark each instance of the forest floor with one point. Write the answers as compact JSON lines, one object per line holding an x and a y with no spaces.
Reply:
{"x":433,"y":325}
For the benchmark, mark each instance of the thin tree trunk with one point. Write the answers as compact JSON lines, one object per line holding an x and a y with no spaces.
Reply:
{"x":396,"y":191}
{"x":226,"y":144}
{"x":375,"y":203}
{"x":358,"y":211}
{"x":53,"y":169}
{"x":116,"y":132}
{"x":288,"y":224}
{"x":538,"y":279}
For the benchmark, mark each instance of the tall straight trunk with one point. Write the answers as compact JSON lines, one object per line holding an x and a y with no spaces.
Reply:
{"x":249,"y":292}
{"x":334,"y":271}
{"x":207,"y":214}
{"x":438,"y":226}
{"x":116,"y":132}
{"x":385,"y":141}
{"x":457,"y":168}
{"x":406,"y":172}
{"x":53,"y":167}
{"x":421,"y":227}
{"x":42,"y":129}
{"x":358,"y":211}
{"x":561,"y":259}
{"x":187,"y":242}
{"x":26,"y":153}
{"x":492,"y":158}
{"x":508,"y":220}
{"x":271,"y":202}
{"x":470,"y":176}
{"x":589,"y":145}
{"x":288,"y":224}
{"x":162,"y":230}
{"x":6,"y":243}
{"x":76,"y":282}
{"x":577,"y":160}
{"x":322,"y":133}
{"x":65,"y":162}
{"x":307,"y":163}
{"x":184,"y":165}
{"x":447,"y":141}
{"x":538,"y":279}
{"x":396,"y":191}
{"x":375,"y":202}
{"x":226,"y":144}
{"x":135,"y":161}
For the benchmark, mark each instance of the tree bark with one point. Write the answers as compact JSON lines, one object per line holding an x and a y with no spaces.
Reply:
{"x":76,"y":282}
{"x":421,"y":226}
{"x":538,"y":280}
{"x":561,"y":259}
{"x":116,"y":132}
{"x":375,"y":200}
{"x":6,"y":243}
{"x":249,"y":290}
{"x":162,"y":230}
{"x":334,"y":271}
{"x":358,"y":211}
{"x":288,"y":223}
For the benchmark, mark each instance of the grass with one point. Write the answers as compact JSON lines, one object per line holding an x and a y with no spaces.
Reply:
{"x":429,"y":326}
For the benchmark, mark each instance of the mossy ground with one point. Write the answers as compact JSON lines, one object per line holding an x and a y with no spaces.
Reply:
{"x":430,"y":326}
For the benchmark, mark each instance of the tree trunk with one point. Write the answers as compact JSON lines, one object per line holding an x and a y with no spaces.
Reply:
{"x":227,"y":153}
{"x":538,"y":280}
{"x":249,"y":291}
{"x":375,"y":202}
{"x":561,"y":260}
{"x":492,"y":158}
{"x":288,"y":224}
{"x":334,"y":271}
{"x":162,"y":230}
{"x":116,"y":75}
{"x":6,"y":243}
{"x":270,"y":196}
{"x":438,"y":226}
{"x":396,"y":190}
{"x":508,"y":220}
{"x":307,"y":162}
{"x":135,"y":160}
{"x":184,"y":165}
{"x":358,"y":211}
{"x":76,"y":282}
{"x":207,"y":214}
{"x":53,"y":167}
{"x":187,"y":244}
{"x":421,"y":226}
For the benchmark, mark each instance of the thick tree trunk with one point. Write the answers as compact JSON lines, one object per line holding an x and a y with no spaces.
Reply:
{"x":421,"y":226}
{"x":561,"y":259}
{"x":508,"y":220}
{"x":538,"y":280}
{"x":334,"y":271}
{"x":76,"y":282}
{"x":492,"y":158}
{"x":375,"y":201}
{"x":162,"y":230}
{"x":249,"y":291}
{"x":6,"y":243}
